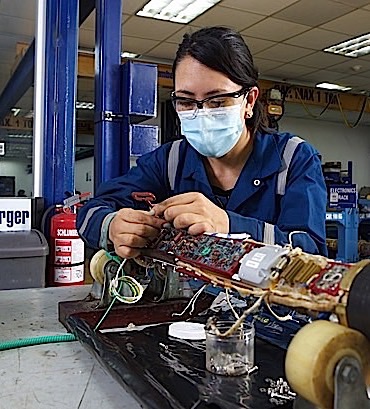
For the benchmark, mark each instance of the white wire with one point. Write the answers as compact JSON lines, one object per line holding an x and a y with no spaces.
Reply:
{"x":113,"y":285}
{"x":291,"y":235}
{"x":286,"y":318}
{"x":236,"y":315}
{"x":191,"y":303}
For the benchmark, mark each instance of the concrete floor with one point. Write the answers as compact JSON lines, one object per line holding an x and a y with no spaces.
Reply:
{"x":50,"y":376}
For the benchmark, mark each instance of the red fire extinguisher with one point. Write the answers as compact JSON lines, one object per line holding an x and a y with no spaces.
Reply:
{"x":67,"y":250}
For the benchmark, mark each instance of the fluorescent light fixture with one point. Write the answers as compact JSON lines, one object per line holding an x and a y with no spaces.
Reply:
{"x":126,"y":54}
{"x":329,"y":85}
{"x":355,"y":47}
{"x":178,"y":11}
{"x":84,"y":105}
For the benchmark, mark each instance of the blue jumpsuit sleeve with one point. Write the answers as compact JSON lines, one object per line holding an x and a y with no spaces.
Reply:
{"x":302,"y":208}
{"x":148,"y":176}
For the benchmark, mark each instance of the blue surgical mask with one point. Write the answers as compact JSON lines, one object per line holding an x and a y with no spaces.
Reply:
{"x":212,"y":132}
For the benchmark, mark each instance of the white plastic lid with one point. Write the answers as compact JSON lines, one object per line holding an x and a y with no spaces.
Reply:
{"x":187,"y":330}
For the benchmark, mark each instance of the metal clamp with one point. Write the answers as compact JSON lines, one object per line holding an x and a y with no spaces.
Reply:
{"x":111,"y":116}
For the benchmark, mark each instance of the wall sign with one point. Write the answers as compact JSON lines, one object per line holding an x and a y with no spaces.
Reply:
{"x":15,"y":214}
{"x":343,"y":196}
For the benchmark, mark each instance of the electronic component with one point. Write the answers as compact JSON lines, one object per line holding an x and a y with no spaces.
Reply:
{"x":212,"y":253}
{"x":329,"y":280}
{"x":257,"y":265}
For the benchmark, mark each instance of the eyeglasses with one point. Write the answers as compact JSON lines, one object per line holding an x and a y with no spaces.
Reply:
{"x":216,"y":101}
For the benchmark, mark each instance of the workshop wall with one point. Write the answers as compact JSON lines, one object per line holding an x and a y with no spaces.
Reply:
{"x":18,"y":168}
{"x":335,"y":142}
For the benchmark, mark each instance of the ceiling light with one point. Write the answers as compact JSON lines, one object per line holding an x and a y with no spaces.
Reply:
{"x":178,"y":11}
{"x":329,"y":85}
{"x":355,"y":47}
{"x":126,"y":54}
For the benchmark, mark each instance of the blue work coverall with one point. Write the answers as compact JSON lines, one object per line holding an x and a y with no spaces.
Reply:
{"x":253,"y":203}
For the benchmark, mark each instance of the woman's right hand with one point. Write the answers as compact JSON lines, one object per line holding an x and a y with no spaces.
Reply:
{"x":130,"y":230}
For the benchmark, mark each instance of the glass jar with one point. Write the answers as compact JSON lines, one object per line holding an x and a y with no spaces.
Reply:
{"x":231,"y":355}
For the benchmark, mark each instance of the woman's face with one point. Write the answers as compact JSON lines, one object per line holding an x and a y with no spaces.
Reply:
{"x":197,"y":81}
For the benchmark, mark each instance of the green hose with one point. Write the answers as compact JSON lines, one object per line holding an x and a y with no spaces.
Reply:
{"x":26,"y":342}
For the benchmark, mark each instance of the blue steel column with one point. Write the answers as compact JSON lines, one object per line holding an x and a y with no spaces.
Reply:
{"x":109,"y":151}
{"x":60,"y":98}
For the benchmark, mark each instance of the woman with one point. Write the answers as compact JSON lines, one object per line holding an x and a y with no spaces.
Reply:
{"x":230,"y":174}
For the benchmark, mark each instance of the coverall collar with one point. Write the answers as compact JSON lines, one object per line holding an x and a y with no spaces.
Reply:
{"x":263,"y":161}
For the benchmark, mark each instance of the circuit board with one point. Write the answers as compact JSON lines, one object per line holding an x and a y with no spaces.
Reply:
{"x":290,"y":276}
{"x":216,"y":254}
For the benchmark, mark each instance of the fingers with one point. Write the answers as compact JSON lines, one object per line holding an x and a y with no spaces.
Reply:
{"x":131,"y":229}
{"x":183,"y":199}
{"x":200,"y":228}
{"x":128,"y":245}
{"x":126,"y":252}
{"x":185,"y":220}
{"x":132,"y":216}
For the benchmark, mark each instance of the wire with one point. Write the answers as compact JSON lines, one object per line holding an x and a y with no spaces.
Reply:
{"x":285,"y":318}
{"x":236,"y":315}
{"x":191,"y":303}
{"x":354,"y":125}
{"x":116,"y":286}
{"x":331,"y":99}
{"x":291,"y":235}
{"x":239,"y":322}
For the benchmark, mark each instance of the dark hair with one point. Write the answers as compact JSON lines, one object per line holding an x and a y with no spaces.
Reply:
{"x":224,"y":50}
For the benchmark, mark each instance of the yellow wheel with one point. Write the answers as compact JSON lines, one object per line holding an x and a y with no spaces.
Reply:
{"x":313,"y":355}
{"x":97,"y":266}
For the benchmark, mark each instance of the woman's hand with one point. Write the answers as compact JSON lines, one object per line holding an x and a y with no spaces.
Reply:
{"x":194,"y":212}
{"x":130,"y":230}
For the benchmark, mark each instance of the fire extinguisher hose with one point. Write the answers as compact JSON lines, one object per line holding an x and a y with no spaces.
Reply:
{"x":25,"y":342}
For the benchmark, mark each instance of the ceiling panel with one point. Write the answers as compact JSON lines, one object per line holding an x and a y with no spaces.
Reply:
{"x":178,"y":36}
{"x":236,"y":19}
{"x":353,"y":67}
{"x":15,"y":25}
{"x":86,"y":39}
{"x":264,"y":7}
{"x":274,"y":29}
{"x":144,"y":27}
{"x":289,"y":72}
{"x":265,"y":65}
{"x":356,"y":3}
{"x":23,"y":9}
{"x":357,"y":82}
{"x":132,"y":6}
{"x":284,"y":53}
{"x":285,"y":37}
{"x":257,"y":44}
{"x":321,"y":60}
{"x":317,"y":38}
{"x":137,"y":45}
{"x":164,"y":50}
{"x":355,"y":23}
{"x":313,"y":12}
{"x":322,"y":76}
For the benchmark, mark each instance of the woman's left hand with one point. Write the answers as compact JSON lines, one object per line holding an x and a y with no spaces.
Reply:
{"x":194,"y":212}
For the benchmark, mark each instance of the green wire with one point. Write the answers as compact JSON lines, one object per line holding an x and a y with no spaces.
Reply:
{"x":105,"y":314}
{"x":25,"y":342}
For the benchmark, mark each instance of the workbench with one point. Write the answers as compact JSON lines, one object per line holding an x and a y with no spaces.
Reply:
{"x":50,"y":376}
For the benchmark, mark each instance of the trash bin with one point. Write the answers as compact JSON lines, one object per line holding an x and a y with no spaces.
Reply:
{"x":22,"y":259}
